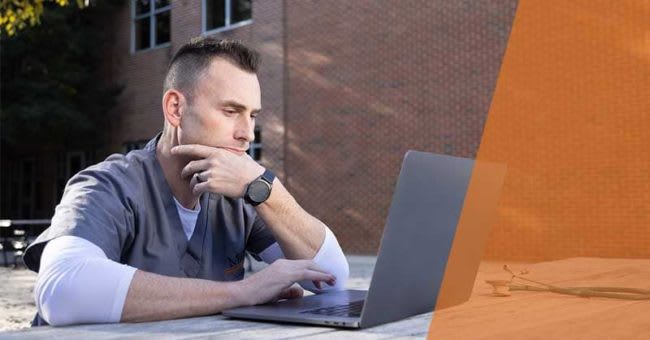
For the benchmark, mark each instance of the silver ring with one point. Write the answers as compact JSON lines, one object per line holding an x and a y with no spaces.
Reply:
{"x":198,"y":177}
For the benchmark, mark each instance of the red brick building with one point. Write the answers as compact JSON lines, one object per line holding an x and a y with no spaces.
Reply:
{"x":347,"y":88}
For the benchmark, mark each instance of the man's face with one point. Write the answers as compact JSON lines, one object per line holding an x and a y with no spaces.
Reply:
{"x":223,"y":108}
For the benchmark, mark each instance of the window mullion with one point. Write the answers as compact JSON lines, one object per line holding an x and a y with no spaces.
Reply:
{"x":162,"y":9}
{"x":152,"y":25}
{"x":133,"y":47}
{"x":228,"y":8}
{"x":204,"y":25}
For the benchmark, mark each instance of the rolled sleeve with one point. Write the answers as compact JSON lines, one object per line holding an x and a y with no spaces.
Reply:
{"x":330,"y":257}
{"x":78,"y":284}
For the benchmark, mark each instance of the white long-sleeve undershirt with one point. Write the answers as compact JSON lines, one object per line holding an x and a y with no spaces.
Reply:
{"x":77,"y":283}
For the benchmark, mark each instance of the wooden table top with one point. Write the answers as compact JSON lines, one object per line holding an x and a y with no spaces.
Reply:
{"x":544,"y":315}
{"x":523,"y":315}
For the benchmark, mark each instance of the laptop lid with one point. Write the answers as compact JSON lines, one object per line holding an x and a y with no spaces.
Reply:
{"x":420,"y":230}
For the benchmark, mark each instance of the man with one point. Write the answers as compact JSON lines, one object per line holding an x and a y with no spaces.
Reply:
{"x":161,"y":233}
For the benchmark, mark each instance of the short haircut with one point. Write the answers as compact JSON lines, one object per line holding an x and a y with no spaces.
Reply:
{"x":194,"y":57}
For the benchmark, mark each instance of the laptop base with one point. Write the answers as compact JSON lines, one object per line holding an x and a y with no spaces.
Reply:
{"x":293,"y":310}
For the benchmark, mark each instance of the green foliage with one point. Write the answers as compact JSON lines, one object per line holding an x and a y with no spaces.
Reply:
{"x":51,"y":90}
{"x":15,"y":15}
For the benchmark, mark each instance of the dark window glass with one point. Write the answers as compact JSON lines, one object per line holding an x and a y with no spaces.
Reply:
{"x":162,"y":27}
{"x":142,"y":33}
{"x":255,"y":150}
{"x":215,"y":14}
{"x":240,"y":10}
{"x":258,"y":154}
{"x":161,"y":3}
{"x":142,"y":6}
{"x":258,"y":136}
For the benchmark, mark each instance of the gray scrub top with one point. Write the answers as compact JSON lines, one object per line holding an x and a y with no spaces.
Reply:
{"x":125,"y":207}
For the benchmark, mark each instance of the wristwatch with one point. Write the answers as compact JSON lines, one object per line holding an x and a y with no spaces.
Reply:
{"x":259,"y":190}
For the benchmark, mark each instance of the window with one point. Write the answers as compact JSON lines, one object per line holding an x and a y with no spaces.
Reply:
{"x":219,"y":15}
{"x":151,"y":23}
{"x":255,"y":150}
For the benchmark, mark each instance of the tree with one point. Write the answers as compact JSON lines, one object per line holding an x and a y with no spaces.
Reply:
{"x":51,"y":91}
{"x":15,"y":15}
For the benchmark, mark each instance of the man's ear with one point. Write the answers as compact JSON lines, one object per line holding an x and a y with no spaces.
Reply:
{"x":172,"y":103}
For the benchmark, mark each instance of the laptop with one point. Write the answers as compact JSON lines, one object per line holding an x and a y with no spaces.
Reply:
{"x":429,"y":254}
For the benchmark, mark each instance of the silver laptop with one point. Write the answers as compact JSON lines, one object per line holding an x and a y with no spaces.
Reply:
{"x":415,"y":254}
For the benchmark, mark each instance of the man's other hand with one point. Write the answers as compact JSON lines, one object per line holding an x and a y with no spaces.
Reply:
{"x":276,"y":281}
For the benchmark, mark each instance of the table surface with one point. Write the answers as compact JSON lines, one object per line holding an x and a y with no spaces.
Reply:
{"x":523,"y":315}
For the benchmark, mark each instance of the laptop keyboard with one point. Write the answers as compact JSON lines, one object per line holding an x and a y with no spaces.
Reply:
{"x":352,"y":309}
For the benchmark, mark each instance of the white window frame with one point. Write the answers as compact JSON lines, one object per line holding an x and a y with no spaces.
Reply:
{"x":227,"y":26}
{"x":152,"y":25}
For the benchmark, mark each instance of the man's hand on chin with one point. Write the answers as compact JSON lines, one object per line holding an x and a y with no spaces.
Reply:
{"x":224,"y":171}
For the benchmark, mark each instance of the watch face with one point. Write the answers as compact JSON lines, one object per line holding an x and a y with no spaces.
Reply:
{"x":259,"y":191}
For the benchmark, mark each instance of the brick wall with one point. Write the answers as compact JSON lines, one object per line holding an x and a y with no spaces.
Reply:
{"x":368,"y":80}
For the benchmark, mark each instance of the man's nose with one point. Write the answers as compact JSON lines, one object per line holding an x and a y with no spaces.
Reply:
{"x":245,"y":129}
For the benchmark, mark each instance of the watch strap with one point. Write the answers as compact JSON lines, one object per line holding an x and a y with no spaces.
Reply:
{"x":268,"y":176}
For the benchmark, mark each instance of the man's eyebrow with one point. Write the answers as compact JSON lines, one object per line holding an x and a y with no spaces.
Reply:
{"x":238,"y":106}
